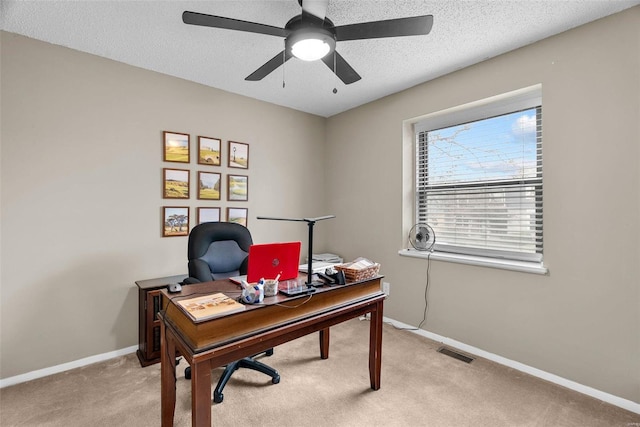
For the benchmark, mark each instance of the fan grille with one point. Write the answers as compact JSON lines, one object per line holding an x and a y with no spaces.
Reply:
{"x":422,"y":237}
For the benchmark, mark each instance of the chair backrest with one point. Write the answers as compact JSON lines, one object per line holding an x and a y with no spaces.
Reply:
{"x":218,"y":250}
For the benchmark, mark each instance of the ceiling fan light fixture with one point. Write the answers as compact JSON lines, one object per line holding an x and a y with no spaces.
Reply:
{"x":310,"y":49}
{"x":311,"y":44}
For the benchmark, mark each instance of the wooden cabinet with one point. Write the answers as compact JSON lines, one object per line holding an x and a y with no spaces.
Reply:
{"x":149,"y":303}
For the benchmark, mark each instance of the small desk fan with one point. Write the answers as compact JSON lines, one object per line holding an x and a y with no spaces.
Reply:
{"x":422,"y":237}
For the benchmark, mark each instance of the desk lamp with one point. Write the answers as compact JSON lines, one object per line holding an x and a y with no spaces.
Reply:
{"x":310,"y":222}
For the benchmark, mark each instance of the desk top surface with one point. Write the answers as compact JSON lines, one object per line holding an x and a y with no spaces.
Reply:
{"x":272,"y":312}
{"x":234,"y":291}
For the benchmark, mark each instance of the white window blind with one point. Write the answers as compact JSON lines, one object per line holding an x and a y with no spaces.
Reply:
{"x":479,"y":181}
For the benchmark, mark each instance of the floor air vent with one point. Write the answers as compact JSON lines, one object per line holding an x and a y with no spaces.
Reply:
{"x":455,"y":354}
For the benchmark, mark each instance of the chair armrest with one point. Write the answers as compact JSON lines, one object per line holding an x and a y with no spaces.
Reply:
{"x":190,"y":281}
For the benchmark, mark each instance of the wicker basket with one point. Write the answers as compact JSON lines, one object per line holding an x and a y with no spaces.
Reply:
{"x":358,"y":274}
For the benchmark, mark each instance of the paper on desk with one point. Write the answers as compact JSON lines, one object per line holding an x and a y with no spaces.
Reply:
{"x":360,"y":263}
{"x":316,"y":267}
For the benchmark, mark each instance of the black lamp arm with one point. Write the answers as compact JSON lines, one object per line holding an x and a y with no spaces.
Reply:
{"x":310,"y":222}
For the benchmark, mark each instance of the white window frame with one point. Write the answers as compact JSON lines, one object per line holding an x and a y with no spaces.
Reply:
{"x":502,"y":104}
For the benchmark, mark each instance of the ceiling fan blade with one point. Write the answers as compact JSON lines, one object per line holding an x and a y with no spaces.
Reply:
{"x":204,"y":20}
{"x":317,"y":8}
{"x":269,"y":66}
{"x":412,"y":26}
{"x":342,"y":68}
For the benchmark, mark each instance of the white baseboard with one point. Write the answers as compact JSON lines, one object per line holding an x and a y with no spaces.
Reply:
{"x":6,"y":382}
{"x":572,"y":385}
{"x":589,"y":391}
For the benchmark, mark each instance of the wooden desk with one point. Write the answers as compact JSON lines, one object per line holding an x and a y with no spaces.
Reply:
{"x":217,"y":342}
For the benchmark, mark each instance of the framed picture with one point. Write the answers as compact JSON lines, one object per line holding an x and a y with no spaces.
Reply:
{"x":237,"y":215}
{"x":209,"y":151}
{"x":238,"y":155}
{"x":176,"y":147}
{"x":208,"y":215}
{"x":237,"y":188}
{"x":209,"y":186}
{"x":175,"y":221}
{"x":175,"y":184}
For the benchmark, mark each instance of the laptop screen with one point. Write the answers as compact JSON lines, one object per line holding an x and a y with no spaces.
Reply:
{"x":270,"y":259}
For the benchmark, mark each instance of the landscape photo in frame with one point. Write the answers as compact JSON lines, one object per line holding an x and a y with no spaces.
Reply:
{"x":209,"y":185}
{"x":176,"y":147}
{"x":208,"y":215}
{"x":238,"y":155}
{"x":209,"y":151}
{"x":237,"y":215}
{"x":237,"y":188}
{"x":175,"y":183}
{"x":175,"y":221}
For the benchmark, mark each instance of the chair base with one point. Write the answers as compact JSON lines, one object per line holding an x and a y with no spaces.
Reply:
{"x":247,"y":362}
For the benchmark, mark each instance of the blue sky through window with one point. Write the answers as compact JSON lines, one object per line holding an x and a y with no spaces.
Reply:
{"x":494,"y":149}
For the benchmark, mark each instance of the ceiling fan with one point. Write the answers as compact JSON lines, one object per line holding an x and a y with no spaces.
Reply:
{"x":311,"y":36}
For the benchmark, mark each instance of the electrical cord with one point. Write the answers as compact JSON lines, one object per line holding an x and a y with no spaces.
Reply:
{"x":238,"y":298}
{"x":283,"y":305}
{"x":426,"y":290}
{"x":426,"y":300}
{"x":296,"y":306}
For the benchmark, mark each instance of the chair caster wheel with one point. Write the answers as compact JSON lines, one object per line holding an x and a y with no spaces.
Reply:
{"x":217,"y":398}
{"x":269,"y":352}
{"x":187,"y":373}
{"x":275,"y":380}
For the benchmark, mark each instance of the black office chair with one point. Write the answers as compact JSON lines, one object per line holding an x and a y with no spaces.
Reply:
{"x":219,"y":250}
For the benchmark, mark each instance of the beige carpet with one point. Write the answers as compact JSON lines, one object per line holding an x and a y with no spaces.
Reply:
{"x":420,"y":387}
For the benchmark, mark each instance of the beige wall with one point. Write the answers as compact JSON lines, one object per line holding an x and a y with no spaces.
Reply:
{"x":80,"y":205}
{"x":81,"y":191}
{"x":582,"y":321}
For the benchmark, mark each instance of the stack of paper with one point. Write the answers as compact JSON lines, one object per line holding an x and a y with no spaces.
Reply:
{"x":317,"y":267}
{"x":327,"y":258}
{"x":360,"y":263}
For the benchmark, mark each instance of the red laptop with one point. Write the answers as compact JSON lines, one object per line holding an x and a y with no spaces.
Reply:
{"x":270,"y":259}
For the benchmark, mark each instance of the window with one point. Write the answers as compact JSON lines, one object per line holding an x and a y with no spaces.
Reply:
{"x":479,"y":177}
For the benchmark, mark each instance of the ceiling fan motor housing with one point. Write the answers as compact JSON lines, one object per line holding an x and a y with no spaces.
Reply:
{"x":308,"y":28}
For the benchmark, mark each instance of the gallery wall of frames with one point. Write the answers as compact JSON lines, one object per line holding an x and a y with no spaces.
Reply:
{"x":209,"y":183}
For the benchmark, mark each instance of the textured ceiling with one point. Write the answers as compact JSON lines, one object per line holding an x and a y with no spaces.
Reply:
{"x":151,"y":35}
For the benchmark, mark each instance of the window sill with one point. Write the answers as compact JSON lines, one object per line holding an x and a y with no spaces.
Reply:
{"x":522,"y":266}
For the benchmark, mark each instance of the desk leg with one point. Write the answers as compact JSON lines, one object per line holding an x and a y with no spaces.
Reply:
{"x":167,"y":376}
{"x":201,"y":393}
{"x":324,"y":343}
{"x":375,"y":346}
